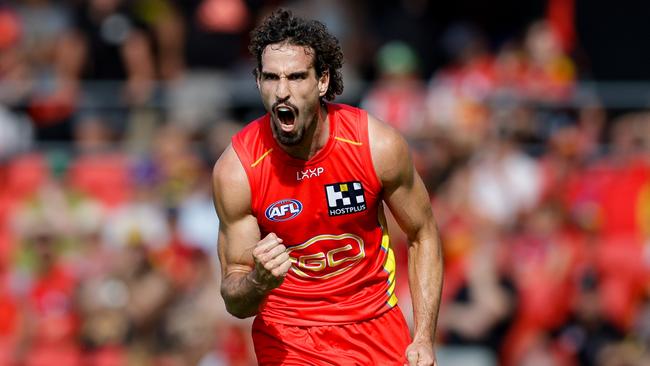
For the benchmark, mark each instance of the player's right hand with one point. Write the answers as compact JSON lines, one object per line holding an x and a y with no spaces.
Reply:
{"x":272,"y":262}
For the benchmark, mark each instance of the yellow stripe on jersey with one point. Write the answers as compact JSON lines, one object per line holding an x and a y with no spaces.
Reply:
{"x":355,"y":143}
{"x":643,"y":209}
{"x":389,"y":266}
{"x":261,"y":158}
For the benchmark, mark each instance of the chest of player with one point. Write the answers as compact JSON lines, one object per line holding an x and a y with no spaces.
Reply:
{"x":326,"y":215}
{"x":299,"y":202}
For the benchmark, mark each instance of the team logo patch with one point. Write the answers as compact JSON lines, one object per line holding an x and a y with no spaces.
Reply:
{"x":325,"y":256}
{"x":345,"y":198}
{"x":283,"y":210}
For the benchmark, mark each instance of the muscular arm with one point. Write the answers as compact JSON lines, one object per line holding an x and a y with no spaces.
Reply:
{"x":408,"y":201}
{"x":250,"y":267}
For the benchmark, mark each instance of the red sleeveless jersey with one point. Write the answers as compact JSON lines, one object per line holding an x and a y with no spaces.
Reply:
{"x":328,"y":212}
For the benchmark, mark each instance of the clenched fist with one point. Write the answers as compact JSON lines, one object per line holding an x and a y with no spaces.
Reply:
{"x":420,"y":354}
{"x":271,"y":263}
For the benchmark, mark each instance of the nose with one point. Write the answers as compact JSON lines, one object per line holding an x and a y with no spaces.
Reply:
{"x":282,"y":88}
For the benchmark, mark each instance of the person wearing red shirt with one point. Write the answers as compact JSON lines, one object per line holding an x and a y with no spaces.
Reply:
{"x":303,"y":243}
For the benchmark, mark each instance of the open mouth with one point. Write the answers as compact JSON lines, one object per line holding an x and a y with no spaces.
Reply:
{"x":286,"y":116}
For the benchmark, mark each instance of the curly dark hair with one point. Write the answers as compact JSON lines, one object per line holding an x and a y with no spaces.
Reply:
{"x":283,"y":26}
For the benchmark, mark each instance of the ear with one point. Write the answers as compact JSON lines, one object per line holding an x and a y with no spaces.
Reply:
{"x":257,"y":79}
{"x":323,"y":83}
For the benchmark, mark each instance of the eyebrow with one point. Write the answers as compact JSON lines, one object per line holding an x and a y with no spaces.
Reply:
{"x":303,"y":74}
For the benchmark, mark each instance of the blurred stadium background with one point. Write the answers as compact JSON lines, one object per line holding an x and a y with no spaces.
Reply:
{"x":528,"y":120}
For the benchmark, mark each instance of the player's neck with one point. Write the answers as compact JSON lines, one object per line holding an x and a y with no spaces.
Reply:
{"x":315,"y":138}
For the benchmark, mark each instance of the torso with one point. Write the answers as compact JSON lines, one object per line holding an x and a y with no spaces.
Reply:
{"x":328,"y":211}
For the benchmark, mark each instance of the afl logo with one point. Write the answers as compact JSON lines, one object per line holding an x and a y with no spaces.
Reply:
{"x":283,"y":210}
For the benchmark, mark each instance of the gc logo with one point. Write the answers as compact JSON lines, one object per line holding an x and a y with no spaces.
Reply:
{"x":326,"y":255}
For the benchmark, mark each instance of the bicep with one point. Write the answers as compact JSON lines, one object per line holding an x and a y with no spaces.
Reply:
{"x":403,"y":189}
{"x":236,"y":243}
{"x":238,"y":228}
{"x":408,"y":201}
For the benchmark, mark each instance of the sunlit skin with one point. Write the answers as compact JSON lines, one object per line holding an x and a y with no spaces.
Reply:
{"x":288,"y":80}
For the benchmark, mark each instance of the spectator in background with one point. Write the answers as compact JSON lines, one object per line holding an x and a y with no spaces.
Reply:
{"x":587,"y":333}
{"x":636,"y":345}
{"x":176,"y":164}
{"x":12,"y":70}
{"x":44,"y":23}
{"x":15,"y":133}
{"x":197,"y":324}
{"x":15,"y":127}
{"x":164,"y":23}
{"x":620,"y":184}
{"x":543,"y":256}
{"x":504,"y":181}
{"x":479,"y":314}
{"x":14,"y":73}
{"x":148,"y":292}
{"x":197,"y":94}
{"x":398,"y":94}
{"x":414,"y":22}
{"x":550,"y":73}
{"x":50,"y":316}
{"x":144,"y":215}
{"x":98,"y":170}
{"x":107,"y":45}
{"x":458,"y":92}
{"x":509,"y":71}
{"x":47,"y":224}
{"x":196,"y":214}
{"x":219,"y":138}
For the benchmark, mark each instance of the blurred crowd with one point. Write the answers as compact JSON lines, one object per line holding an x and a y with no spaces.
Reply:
{"x":112,"y":113}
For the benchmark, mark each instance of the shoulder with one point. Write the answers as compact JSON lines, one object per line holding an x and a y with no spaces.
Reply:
{"x":230,"y":184}
{"x":226,"y":168}
{"x":252,"y":140}
{"x":347,"y":112}
{"x":389,"y":150}
{"x":251,"y":131}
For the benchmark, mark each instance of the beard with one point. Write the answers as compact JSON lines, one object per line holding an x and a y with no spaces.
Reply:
{"x":291,"y":138}
{"x":288,"y":138}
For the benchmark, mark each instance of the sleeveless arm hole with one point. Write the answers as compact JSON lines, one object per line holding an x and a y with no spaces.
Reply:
{"x":365,"y":138}
{"x":245,"y":160}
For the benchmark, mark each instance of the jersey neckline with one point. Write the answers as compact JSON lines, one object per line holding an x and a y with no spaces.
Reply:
{"x":320,"y":155}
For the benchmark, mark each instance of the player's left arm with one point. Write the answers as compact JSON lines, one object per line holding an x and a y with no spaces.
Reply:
{"x":408,"y":200}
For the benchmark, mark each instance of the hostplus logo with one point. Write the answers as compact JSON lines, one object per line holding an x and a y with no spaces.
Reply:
{"x":345,"y":198}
